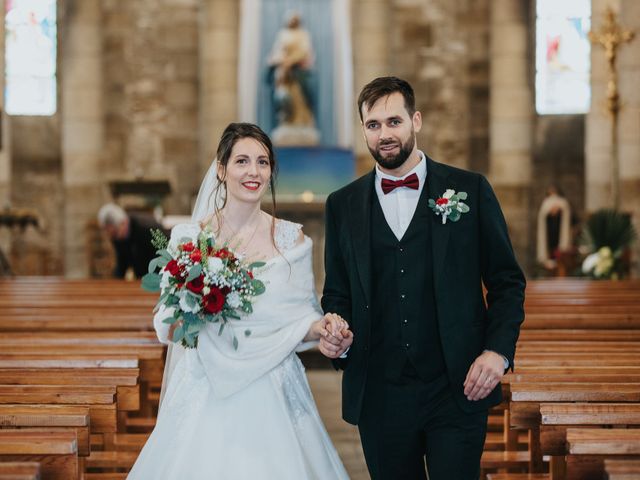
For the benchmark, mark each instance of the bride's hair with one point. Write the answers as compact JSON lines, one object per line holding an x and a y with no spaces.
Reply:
{"x":231,"y":134}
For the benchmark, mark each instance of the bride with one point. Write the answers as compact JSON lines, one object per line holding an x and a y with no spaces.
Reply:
{"x":229,"y":414}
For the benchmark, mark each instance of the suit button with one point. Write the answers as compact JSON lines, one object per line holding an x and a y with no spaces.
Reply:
{"x":405,"y":321}
{"x":366,"y":307}
{"x":407,"y":345}
{"x":401,"y":249}
{"x":402,"y":296}
{"x":402,"y":270}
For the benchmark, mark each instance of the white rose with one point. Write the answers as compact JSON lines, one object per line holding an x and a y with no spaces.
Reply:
{"x":184,"y":304}
{"x":214,"y":264}
{"x":589,"y":263}
{"x":233,"y":299}
{"x":164,"y":281}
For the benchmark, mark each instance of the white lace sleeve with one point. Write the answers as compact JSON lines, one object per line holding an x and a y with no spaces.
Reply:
{"x":287,"y":234}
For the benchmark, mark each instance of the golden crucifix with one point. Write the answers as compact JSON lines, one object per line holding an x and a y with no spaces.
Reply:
{"x":611,"y":36}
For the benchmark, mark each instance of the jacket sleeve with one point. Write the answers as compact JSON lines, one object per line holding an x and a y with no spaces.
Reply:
{"x":502,"y":277}
{"x":336,"y":295}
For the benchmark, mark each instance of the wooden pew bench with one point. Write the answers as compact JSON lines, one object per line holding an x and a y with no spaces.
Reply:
{"x":56,"y":452}
{"x":621,"y":469}
{"x":100,"y":399}
{"x":19,"y":471}
{"x":588,"y":448}
{"x":49,"y":418}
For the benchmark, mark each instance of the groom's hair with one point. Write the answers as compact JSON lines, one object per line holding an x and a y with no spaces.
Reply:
{"x":383,"y":87}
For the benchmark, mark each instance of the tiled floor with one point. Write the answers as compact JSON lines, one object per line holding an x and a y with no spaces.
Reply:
{"x":325,"y":385}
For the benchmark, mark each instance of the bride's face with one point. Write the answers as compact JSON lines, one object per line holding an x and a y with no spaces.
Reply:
{"x":247,"y":172}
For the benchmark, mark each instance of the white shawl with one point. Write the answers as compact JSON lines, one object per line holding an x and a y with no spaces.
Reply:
{"x":280,"y":320}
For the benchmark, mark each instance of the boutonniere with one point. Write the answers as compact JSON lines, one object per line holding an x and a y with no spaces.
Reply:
{"x":450,"y":205}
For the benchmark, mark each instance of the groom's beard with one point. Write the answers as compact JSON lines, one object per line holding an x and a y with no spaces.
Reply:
{"x":395,"y":161}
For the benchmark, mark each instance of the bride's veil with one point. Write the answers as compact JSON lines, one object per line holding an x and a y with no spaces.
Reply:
{"x":210,"y":197}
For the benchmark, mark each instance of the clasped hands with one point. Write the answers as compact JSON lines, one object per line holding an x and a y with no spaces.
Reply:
{"x":335,"y":336}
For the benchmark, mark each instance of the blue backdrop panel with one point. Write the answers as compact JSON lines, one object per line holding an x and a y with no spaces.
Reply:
{"x":320,"y":170}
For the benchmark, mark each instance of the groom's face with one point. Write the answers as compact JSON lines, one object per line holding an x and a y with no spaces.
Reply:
{"x":389,"y":130}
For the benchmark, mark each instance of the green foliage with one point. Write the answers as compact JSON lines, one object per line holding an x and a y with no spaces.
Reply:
{"x":151,"y":282}
{"x":158,"y":239}
{"x":608,"y":228}
{"x":195,"y":272}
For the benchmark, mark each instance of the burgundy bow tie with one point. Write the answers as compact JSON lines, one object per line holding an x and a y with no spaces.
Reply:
{"x":410,"y":182}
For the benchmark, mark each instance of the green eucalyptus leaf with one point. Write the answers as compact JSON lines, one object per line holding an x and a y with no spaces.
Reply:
{"x":178,"y":334}
{"x":454,"y":216}
{"x":195,"y":272}
{"x":462,"y":195}
{"x":258,"y":287}
{"x":164,"y":253}
{"x":432,"y":202}
{"x":235,"y":342}
{"x":256,"y":265}
{"x":463,"y":207}
{"x":151,"y":282}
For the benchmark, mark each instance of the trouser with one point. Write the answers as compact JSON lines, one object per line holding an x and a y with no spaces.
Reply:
{"x":409,"y":422}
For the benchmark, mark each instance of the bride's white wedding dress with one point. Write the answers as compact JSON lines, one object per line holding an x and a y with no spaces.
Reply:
{"x":246,"y":414}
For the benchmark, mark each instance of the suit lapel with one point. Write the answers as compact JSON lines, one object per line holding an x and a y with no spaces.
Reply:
{"x":437,"y":184}
{"x":360,"y":216}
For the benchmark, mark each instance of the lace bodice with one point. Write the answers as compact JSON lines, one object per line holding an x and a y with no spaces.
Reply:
{"x":286,"y":234}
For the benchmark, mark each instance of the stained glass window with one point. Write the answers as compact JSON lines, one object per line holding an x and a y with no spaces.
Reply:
{"x":30,"y":56}
{"x":563,"y":56}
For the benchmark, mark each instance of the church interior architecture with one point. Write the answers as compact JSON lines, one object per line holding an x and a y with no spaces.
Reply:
{"x":113,"y":109}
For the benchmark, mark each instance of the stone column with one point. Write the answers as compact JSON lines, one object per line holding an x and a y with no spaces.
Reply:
{"x":82,"y":128}
{"x":5,"y":159}
{"x":629,"y":133}
{"x":371,"y":59}
{"x":511,"y":118}
{"x":219,"y":42}
{"x":598,"y":123}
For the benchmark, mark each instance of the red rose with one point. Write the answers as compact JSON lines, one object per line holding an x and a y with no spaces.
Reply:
{"x":196,"y":285}
{"x":250,"y":273}
{"x":224,"y":253}
{"x":442,"y":201}
{"x":188,"y":247}
{"x":214,"y":301}
{"x":196,"y":255}
{"x":173,"y":268}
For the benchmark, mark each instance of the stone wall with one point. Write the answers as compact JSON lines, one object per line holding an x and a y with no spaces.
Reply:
{"x":150,"y":61}
{"x":36,"y":169}
{"x":442,"y":49}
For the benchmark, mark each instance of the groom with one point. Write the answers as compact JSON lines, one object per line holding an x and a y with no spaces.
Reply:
{"x":428,"y":352}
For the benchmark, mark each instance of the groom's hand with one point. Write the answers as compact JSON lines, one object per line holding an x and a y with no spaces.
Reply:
{"x":484,"y":375}
{"x":336,"y":337}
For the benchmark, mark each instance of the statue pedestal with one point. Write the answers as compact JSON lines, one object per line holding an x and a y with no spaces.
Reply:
{"x":295,"y":136}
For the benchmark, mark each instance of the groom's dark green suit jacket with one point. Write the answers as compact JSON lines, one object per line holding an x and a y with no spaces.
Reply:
{"x":473,"y":251}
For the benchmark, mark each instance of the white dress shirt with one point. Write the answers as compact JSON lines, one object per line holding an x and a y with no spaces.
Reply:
{"x":400,"y":204}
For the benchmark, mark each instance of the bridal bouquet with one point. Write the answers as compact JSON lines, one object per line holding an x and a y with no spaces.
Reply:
{"x":202,"y":283}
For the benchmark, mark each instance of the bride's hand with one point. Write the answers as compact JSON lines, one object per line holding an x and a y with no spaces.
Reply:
{"x":337,"y":336}
{"x":172,"y":329}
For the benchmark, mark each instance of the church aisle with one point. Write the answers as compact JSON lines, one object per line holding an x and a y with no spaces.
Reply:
{"x":325,"y":385}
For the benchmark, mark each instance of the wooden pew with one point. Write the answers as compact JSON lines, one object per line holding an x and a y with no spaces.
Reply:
{"x":556,"y":418}
{"x":49,"y":418}
{"x":588,"y":448}
{"x":621,"y":469}
{"x":56,"y":452}
{"x":19,"y":471}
